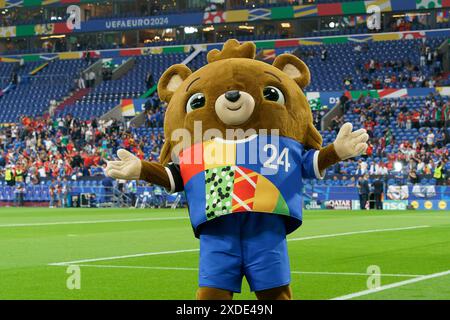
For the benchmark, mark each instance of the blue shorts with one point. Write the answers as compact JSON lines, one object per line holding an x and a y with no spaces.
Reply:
{"x":244,"y":244}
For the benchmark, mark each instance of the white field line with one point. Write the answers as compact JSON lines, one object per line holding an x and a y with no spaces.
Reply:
{"x":360,"y":274}
{"x":193,"y":250}
{"x":38,"y":224}
{"x":355,"y":232}
{"x":392,"y":285}
{"x":122,"y":257}
{"x":295,"y":272}
{"x":132,"y":267}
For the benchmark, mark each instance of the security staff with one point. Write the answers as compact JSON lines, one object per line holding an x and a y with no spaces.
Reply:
{"x":364,"y":190}
{"x":378,"y":188}
{"x":19,"y":174}
{"x":9,"y":177}
{"x":439,"y":173}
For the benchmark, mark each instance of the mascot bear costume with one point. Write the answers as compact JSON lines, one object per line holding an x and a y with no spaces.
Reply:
{"x":244,"y":193}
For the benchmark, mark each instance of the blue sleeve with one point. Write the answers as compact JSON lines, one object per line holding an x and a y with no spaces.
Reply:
{"x":310,"y":165}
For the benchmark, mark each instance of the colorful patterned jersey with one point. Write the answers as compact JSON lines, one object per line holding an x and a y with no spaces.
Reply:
{"x":257,"y":174}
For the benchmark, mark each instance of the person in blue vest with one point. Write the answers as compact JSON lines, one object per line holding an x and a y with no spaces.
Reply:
{"x":108,"y":185}
{"x":248,"y":141}
{"x":131,"y":191}
{"x":158,"y":197}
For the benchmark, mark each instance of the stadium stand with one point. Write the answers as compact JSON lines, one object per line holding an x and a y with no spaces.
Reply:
{"x":396,"y":64}
{"x":32,"y":94}
{"x":47,"y":151}
{"x":410,"y":131}
{"x":109,"y":93}
{"x":347,"y":61}
{"x":331,"y":18}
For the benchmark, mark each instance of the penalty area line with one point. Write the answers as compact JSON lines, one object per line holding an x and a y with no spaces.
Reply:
{"x":194,"y":250}
{"x":196,"y":269}
{"x":122,"y":257}
{"x":356,"y":232}
{"x":57,"y":223}
{"x":392,"y":285}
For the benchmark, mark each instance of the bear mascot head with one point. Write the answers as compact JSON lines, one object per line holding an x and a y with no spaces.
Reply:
{"x":245,"y":199}
{"x":236,"y":91}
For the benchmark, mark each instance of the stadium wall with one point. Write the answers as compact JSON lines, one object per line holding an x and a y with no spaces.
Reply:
{"x":396,"y":197}
{"x":6,"y":4}
{"x":279,"y":45}
{"x":214,"y":17}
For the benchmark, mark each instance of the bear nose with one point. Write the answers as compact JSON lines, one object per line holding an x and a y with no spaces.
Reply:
{"x":232,"y":95}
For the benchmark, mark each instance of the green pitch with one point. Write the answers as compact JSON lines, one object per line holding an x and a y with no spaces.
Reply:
{"x":152,"y":254}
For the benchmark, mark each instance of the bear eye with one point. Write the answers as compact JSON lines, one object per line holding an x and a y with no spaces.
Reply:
{"x":273,"y":94}
{"x":197,"y":100}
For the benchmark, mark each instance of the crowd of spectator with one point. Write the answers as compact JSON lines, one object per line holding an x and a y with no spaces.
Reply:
{"x":403,"y":72}
{"x":426,"y":155}
{"x":46,"y":148}
{"x":154,"y":116}
{"x":403,"y":24}
{"x":63,"y":149}
{"x":8,"y":18}
{"x":434,"y":113}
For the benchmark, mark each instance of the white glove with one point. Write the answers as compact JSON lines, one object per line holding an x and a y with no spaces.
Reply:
{"x":128,"y":168}
{"x":350,"y":144}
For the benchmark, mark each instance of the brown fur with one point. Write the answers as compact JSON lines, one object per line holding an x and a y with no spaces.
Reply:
{"x":280,"y":293}
{"x":155,"y":173}
{"x":294,"y":120}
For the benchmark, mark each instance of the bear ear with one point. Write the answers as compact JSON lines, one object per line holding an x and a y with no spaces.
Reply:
{"x":171,"y":80}
{"x":295,"y":68}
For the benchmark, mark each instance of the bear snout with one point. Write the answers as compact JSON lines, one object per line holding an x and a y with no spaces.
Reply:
{"x":234,"y":107}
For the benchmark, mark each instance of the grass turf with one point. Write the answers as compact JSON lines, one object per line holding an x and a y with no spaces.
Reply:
{"x":323,"y":267}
